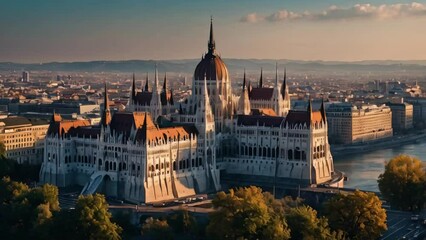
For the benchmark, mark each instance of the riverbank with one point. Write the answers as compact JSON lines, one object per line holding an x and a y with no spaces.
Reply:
{"x":395,"y":141}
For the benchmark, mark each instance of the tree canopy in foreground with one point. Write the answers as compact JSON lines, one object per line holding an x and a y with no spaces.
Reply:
{"x":359,"y":214}
{"x":403,"y":183}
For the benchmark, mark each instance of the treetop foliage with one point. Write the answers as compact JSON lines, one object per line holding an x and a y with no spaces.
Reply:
{"x":359,"y":215}
{"x":403,"y":183}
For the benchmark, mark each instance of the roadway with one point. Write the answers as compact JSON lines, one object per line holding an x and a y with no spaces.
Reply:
{"x":400,"y":226}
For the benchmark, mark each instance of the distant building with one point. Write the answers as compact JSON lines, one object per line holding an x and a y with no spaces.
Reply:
{"x":25,"y":76}
{"x":402,"y":115}
{"x":23,"y":138}
{"x":419,"y":111}
{"x":78,"y":107}
{"x":350,"y":124}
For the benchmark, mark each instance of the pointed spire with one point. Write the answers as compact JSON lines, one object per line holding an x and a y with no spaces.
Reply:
{"x":165,"y":82}
{"x":106,"y":115}
{"x":276,"y":74}
{"x":261,"y":78}
{"x":171,"y":101}
{"x":244,"y":80}
{"x":106,"y":100}
{"x":284,"y":88}
{"x":309,"y":111}
{"x":56,"y":117}
{"x":144,"y":125}
{"x":211,"y":45}
{"x":155,"y":87}
{"x":133,"y":88}
{"x":146,"y":82}
{"x":323,"y":113}
{"x":243,"y":102}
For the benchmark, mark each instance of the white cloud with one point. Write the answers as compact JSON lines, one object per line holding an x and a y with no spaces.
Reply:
{"x":283,"y":15}
{"x":358,"y":11}
{"x":251,"y":18}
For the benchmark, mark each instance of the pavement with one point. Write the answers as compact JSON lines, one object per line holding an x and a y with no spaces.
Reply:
{"x":400,"y":226}
{"x":68,"y":201}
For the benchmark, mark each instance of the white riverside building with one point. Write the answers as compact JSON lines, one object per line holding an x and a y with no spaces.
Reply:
{"x":152,"y":154}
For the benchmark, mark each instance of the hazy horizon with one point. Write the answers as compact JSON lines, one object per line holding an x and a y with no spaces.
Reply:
{"x":301,"y":30}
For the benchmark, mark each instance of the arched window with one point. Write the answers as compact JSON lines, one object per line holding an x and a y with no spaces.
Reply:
{"x":297,"y":154}
{"x":290,"y":154}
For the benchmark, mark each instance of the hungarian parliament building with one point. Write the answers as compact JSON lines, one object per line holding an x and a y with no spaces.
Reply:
{"x":159,"y":149}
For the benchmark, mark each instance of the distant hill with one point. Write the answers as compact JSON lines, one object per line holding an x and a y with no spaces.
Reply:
{"x":234,"y":65}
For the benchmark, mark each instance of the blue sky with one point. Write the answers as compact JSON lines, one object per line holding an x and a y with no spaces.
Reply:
{"x":80,"y":30}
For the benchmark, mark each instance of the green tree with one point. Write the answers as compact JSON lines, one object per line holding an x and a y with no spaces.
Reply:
{"x":359,"y":215}
{"x":182,"y":222}
{"x":403,"y":183}
{"x":305,"y":224}
{"x":245,"y":214}
{"x":7,"y":166}
{"x":123,"y":219}
{"x":94,"y":219}
{"x":156,"y":229}
{"x":62,"y":225}
{"x":23,"y":210}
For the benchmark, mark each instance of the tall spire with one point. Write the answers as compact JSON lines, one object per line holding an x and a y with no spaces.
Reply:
{"x":323,"y":114}
{"x":276,"y":74}
{"x":106,"y":115}
{"x":309,"y":110}
{"x":155,"y":103}
{"x":155,"y":87}
{"x":244,"y":80}
{"x":146,"y":83}
{"x":284,"y":89}
{"x":133,"y":88}
{"x":261,"y":78}
{"x":244,"y":102}
{"x":165,"y":82}
{"x":211,"y":45}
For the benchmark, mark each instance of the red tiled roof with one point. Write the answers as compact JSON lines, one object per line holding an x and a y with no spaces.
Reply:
{"x":124,"y":121}
{"x":261,"y":94}
{"x":302,"y":117}
{"x":253,"y":120}
{"x":63,"y":127}
{"x":144,"y":98}
{"x":264,"y":112}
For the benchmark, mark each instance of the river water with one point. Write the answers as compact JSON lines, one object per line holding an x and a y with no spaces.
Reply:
{"x":363,"y":169}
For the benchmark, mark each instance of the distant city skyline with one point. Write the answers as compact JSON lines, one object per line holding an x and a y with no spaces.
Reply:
{"x":331,"y":30}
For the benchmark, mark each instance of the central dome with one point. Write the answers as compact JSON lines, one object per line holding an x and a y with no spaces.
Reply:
{"x":211,"y":65}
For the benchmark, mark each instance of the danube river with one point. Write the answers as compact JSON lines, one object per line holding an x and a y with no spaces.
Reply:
{"x":363,"y":169}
